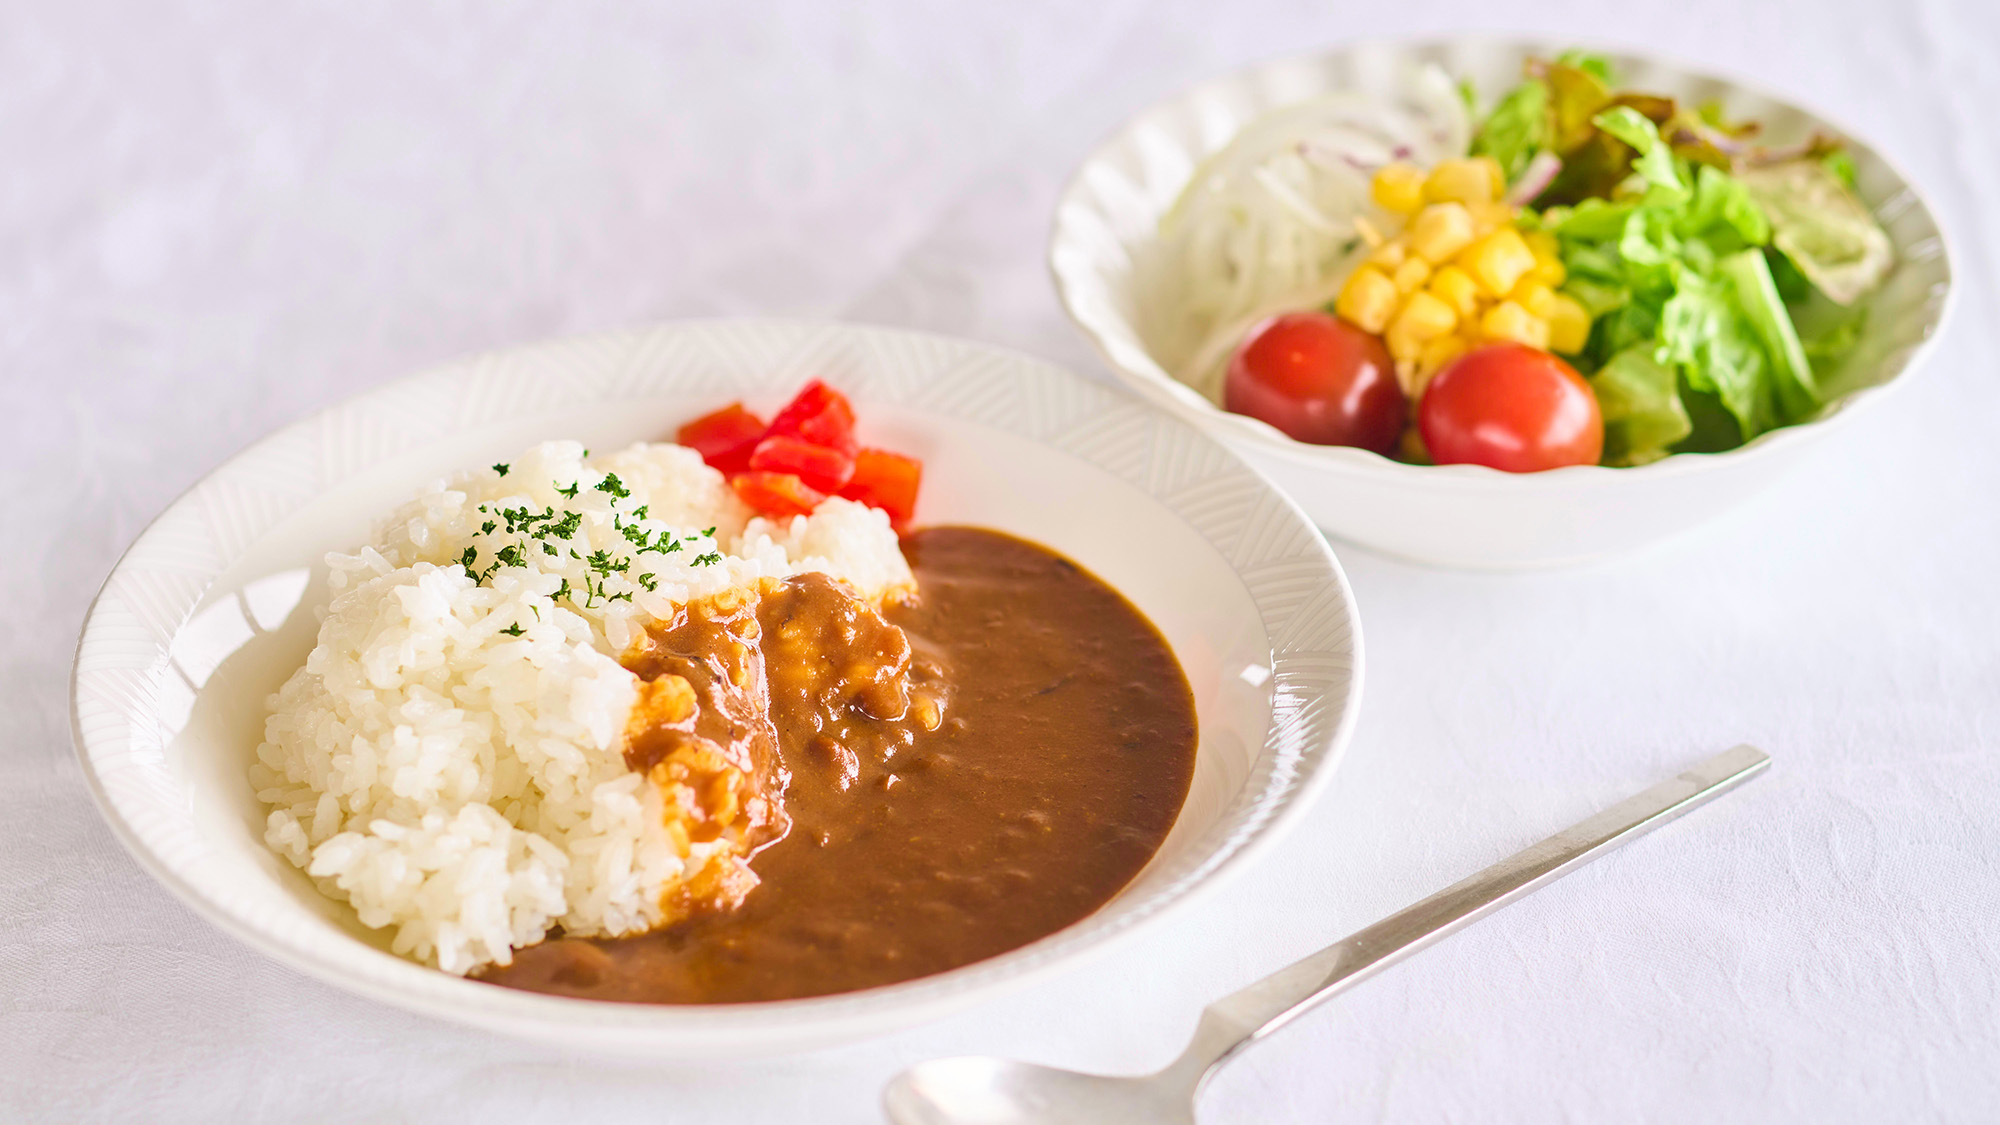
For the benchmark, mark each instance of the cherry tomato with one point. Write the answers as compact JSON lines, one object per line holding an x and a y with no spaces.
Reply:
{"x":725,"y":438}
{"x":1511,"y":407}
{"x":776,"y":494}
{"x":887,"y":481}
{"x":1320,"y":380}
{"x":823,"y":469}
{"x":818,"y":415}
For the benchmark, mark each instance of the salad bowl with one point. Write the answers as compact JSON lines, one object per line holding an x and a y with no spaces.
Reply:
{"x":1470,"y":516}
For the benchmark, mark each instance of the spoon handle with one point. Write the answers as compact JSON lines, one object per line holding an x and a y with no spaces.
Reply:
{"x":1243,"y":1017}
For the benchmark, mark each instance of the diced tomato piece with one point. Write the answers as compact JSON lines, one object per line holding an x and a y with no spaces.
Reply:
{"x":818,"y":415}
{"x":725,"y":438}
{"x":822,"y":469}
{"x":776,"y":494}
{"x":888,"y":481}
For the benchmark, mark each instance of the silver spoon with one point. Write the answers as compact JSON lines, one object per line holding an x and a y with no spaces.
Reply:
{"x":989,"y":1091}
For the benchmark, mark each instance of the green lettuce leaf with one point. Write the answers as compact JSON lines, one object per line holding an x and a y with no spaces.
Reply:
{"x":1593,"y":220}
{"x":1641,"y":403}
{"x":1822,"y":227}
{"x":1652,"y":251}
{"x":1830,"y":346}
{"x":1723,"y":213}
{"x":1715,"y":428}
{"x":1694,"y":261}
{"x":1840,"y":163}
{"x":1576,"y":94}
{"x":1655,"y":160}
{"x":1517,"y":128}
{"x":1792,"y":285}
{"x":1704,"y":334}
{"x":1597,"y":66}
{"x":1758,"y":301}
{"x":1631,"y":324}
{"x":1673,"y":270}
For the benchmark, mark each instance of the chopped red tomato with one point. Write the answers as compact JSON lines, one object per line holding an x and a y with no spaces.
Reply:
{"x":818,"y":415}
{"x":820,"y":468}
{"x":886,"y":480}
{"x":806,"y":454}
{"x":776,"y":494}
{"x":725,"y":438}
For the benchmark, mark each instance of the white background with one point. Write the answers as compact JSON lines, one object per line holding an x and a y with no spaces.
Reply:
{"x":215,"y":220}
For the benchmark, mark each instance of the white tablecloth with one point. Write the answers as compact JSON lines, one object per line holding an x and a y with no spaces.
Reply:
{"x":216,"y":220}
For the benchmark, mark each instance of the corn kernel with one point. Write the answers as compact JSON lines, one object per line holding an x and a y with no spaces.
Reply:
{"x":1495,"y":175}
{"x":1456,"y":288}
{"x":1440,"y":230}
{"x":1398,"y":188}
{"x":1367,"y":299}
{"x":1532,"y":295}
{"x":1497,"y":261}
{"x":1458,"y":181}
{"x":1489,"y":217}
{"x":1548,"y":268}
{"x":1406,"y":378}
{"x":1439,"y":352}
{"x":1569,"y":325}
{"x":1509,"y":321}
{"x":1410,"y":276}
{"x":1389,"y":255}
{"x":1424,"y":318}
{"x":1403,"y":348}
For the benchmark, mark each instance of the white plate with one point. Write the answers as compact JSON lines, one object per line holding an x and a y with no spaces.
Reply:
{"x":1470,"y":515}
{"x":212,"y":608}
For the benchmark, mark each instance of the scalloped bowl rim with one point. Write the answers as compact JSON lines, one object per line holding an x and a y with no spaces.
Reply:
{"x":1162,"y":388}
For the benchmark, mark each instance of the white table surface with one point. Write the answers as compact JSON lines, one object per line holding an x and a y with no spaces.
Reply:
{"x":215,"y":221}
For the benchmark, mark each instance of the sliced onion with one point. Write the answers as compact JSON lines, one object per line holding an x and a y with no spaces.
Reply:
{"x":1266,"y":224}
{"x":1535,"y":178}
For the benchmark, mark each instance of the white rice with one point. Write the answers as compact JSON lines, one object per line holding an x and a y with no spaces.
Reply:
{"x":450,"y":758}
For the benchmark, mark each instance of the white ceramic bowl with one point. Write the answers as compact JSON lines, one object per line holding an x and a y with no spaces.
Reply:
{"x":1468,"y":515}
{"x":212,"y":608}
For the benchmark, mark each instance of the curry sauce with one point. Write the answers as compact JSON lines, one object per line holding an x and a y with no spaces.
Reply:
{"x":955,"y":775}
